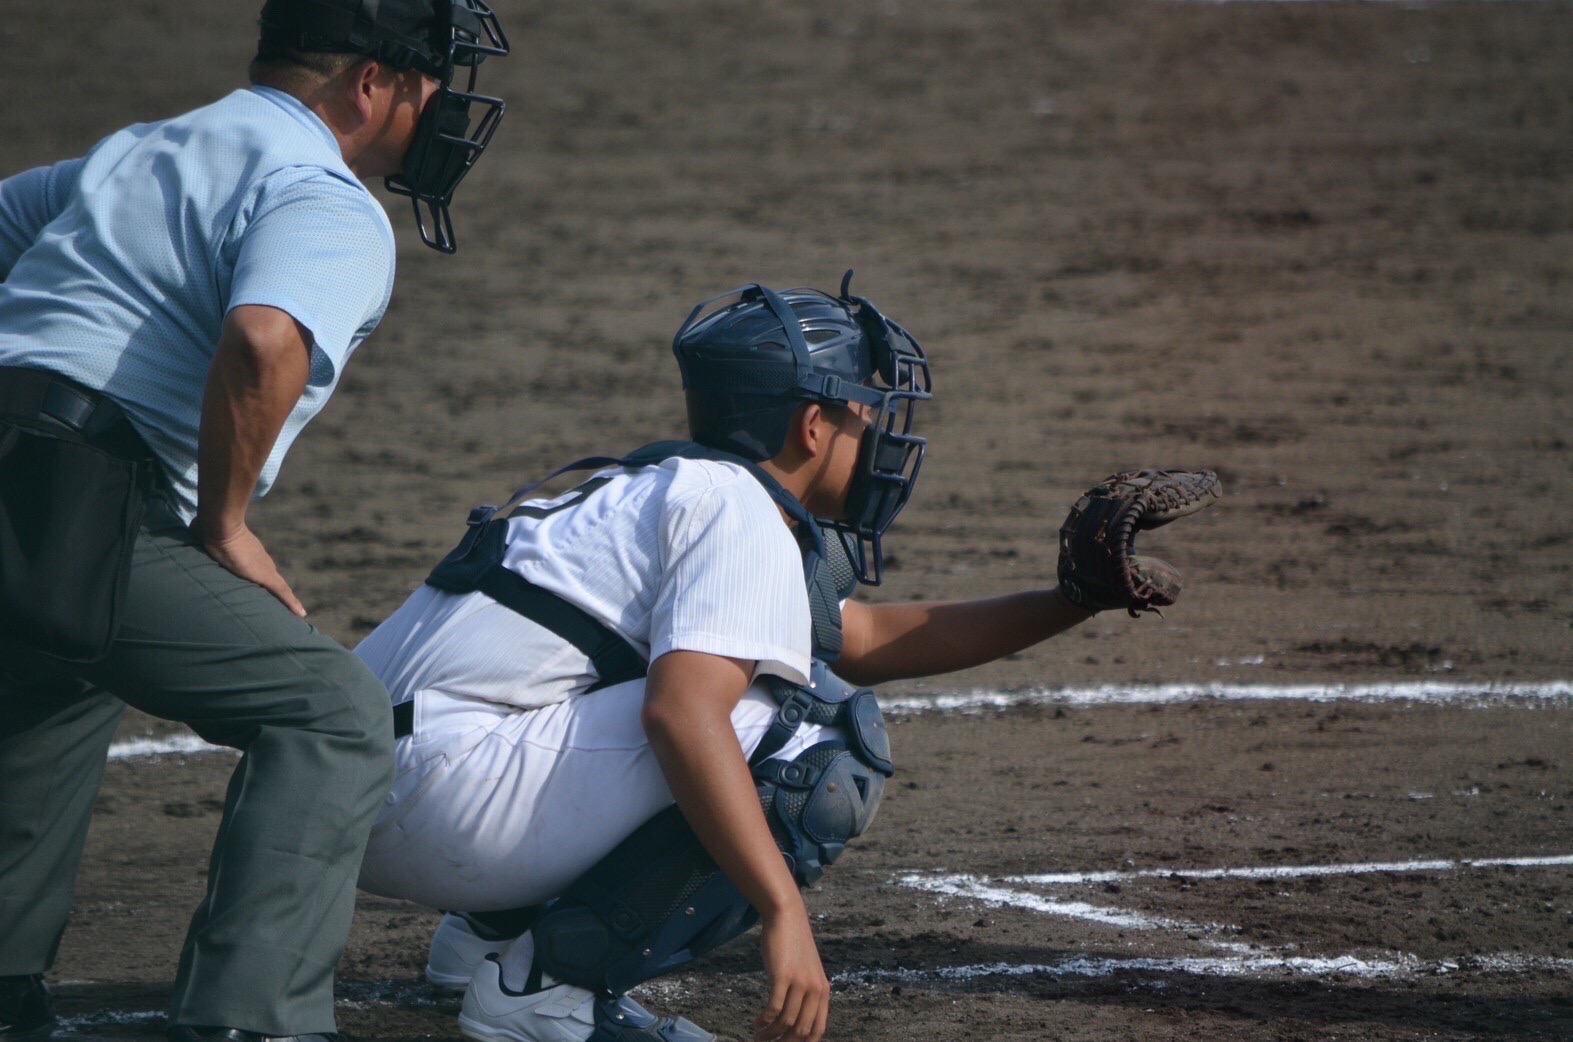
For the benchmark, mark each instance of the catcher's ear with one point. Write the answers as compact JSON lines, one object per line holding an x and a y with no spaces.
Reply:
{"x":811,"y":430}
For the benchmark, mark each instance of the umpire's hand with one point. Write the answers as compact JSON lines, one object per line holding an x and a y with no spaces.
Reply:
{"x":259,"y":372}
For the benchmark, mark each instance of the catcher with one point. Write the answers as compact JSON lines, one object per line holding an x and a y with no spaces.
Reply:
{"x":630,"y":718}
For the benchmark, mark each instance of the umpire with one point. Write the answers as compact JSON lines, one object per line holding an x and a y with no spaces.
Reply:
{"x":174,"y":307}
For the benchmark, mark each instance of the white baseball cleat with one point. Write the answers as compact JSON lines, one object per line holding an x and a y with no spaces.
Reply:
{"x":457,"y":951}
{"x":492,"y":1012}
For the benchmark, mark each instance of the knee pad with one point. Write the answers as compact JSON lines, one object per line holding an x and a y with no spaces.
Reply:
{"x":658,"y":901}
{"x":816,"y":803}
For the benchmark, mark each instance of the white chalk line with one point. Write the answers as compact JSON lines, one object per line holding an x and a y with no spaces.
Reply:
{"x":985,"y":891}
{"x":163,"y":745}
{"x":1000,"y":892}
{"x":350,"y":994}
{"x":1479,"y":694}
{"x":89,"y":1022}
{"x":1257,"y":965}
{"x":1483,"y":693}
{"x":1391,"y":967}
{"x":1233,"y":959}
{"x":1293,"y":871}
{"x":364,"y":995}
{"x":354,"y":994}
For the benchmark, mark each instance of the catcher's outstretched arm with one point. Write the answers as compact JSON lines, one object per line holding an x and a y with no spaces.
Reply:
{"x":921,"y":638}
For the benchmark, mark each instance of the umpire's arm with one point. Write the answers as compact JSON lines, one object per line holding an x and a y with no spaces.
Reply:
{"x":921,"y":638}
{"x":258,"y":374}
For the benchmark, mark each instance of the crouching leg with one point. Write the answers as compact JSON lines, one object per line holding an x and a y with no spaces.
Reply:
{"x":655,"y":903}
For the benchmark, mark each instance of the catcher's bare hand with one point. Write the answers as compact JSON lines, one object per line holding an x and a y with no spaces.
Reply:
{"x":1099,"y":568}
{"x":799,"y":1004}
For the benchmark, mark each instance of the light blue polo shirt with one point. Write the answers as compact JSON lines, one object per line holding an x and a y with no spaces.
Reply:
{"x":119,"y":267}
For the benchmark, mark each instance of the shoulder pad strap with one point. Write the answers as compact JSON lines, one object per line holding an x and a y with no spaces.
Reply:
{"x":485,"y":540}
{"x":838,"y":560}
{"x":824,"y":609}
{"x":476,"y":565}
{"x":657,"y":451}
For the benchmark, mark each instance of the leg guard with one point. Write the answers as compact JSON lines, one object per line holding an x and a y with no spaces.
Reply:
{"x":655,"y":902}
{"x":658,"y":901}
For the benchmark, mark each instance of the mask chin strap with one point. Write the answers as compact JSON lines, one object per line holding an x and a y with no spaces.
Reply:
{"x":445,"y":145}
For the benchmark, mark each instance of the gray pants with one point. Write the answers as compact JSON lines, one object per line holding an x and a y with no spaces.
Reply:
{"x":201,"y":646}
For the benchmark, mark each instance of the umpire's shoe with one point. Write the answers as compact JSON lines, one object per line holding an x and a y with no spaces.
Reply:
{"x":187,"y":1033}
{"x":26,"y":1012}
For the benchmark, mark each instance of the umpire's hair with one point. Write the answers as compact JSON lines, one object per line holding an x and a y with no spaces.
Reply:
{"x":280,"y":66}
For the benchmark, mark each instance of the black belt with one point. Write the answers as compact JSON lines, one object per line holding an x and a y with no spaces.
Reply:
{"x":49,"y":402}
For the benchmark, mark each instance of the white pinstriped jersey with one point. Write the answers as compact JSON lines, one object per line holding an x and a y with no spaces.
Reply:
{"x":688,"y":555}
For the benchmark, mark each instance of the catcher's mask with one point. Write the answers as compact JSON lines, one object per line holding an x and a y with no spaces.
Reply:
{"x":436,"y":37}
{"x":750,"y":358}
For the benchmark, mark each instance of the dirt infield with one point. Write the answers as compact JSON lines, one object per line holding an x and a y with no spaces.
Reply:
{"x":1322,"y":248}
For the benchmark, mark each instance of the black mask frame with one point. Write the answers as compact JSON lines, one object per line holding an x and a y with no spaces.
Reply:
{"x":446,"y":145}
{"x":889,"y":454}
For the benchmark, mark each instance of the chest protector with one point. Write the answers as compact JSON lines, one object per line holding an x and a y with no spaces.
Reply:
{"x":826,"y":795}
{"x":476,"y":565}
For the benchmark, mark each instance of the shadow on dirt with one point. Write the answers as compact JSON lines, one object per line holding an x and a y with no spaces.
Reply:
{"x":111,"y":1012}
{"x":1444,"y":1005}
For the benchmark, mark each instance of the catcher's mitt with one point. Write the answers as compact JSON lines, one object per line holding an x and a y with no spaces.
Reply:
{"x":1098,"y":566}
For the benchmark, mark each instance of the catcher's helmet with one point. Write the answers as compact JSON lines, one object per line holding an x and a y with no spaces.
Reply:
{"x":437,"y":37}
{"x":752,"y":357}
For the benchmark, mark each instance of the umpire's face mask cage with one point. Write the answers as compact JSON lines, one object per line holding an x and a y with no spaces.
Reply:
{"x":742,"y":396}
{"x":444,"y":39}
{"x":450,"y":137}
